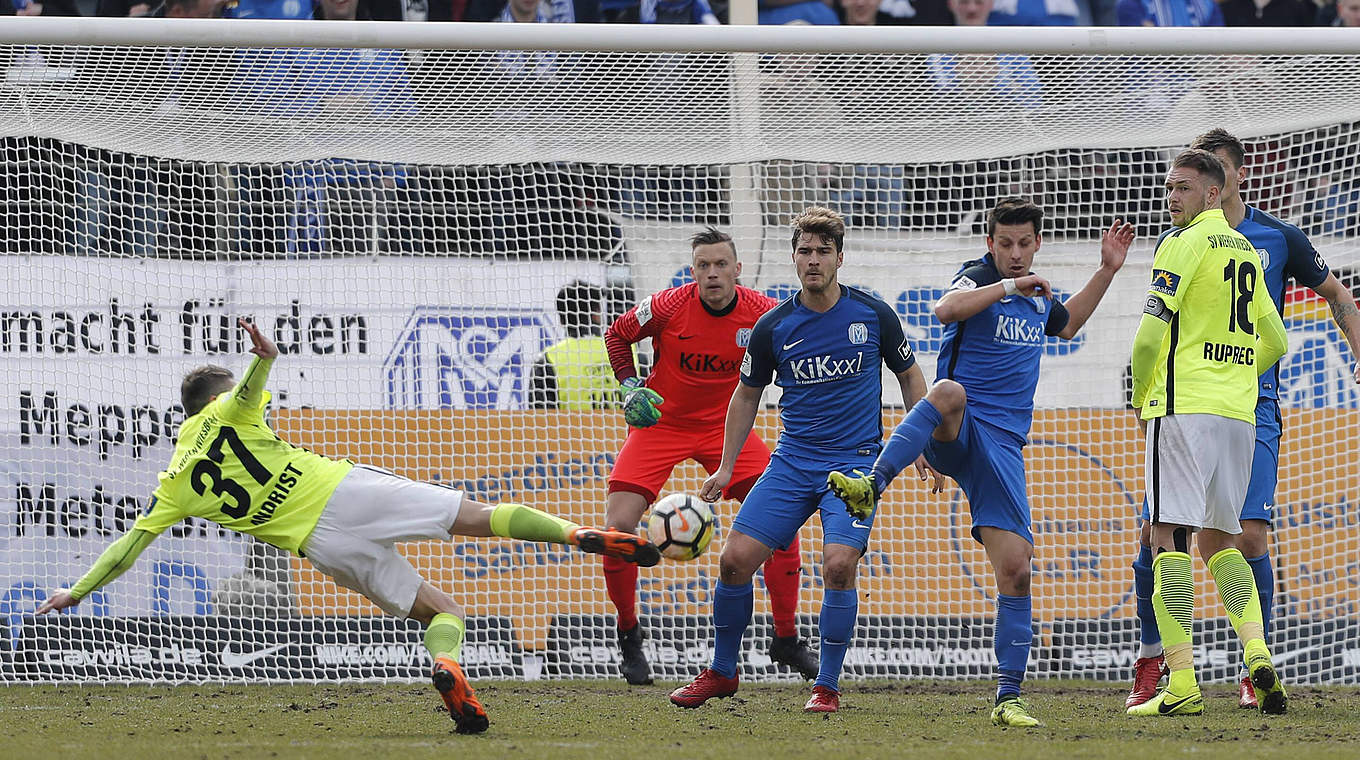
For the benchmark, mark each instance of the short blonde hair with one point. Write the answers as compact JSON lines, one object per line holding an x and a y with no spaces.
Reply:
{"x":822,"y":221}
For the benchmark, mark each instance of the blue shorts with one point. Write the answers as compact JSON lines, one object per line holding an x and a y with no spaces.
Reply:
{"x":989,"y":465}
{"x":792,"y":488}
{"x":1265,"y":465}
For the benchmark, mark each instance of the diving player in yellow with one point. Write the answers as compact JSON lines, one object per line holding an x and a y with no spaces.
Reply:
{"x":1209,"y":328}
{"x":231,"y":468}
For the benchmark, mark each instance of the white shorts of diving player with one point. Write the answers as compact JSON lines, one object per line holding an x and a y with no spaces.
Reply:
{"x":370,"y":511}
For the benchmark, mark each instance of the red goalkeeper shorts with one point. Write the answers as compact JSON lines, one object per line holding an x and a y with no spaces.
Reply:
{"x":650,"y":454}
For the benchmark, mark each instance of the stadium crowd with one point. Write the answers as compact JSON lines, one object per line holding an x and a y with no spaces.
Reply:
{"x":820,"y":12}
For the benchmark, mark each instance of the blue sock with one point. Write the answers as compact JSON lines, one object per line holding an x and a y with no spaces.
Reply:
{"x":1012,"y":639}
{"x":908,"y":440}
{"x":840,"y":607}
{"x":1148,"y":634}
{"x":731,"y":614}
{"x":1264,"y":573}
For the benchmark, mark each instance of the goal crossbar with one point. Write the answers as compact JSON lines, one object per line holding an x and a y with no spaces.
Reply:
{"x":630,"y":37}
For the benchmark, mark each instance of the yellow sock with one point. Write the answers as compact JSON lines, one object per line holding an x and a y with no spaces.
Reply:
{"x":1173,"y":600}
{"x":444,"y":637}
{"x":1237,"y":589}
{"x":529,"y":524}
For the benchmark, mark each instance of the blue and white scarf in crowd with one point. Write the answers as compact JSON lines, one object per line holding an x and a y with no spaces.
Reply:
{"x":1181,"y":12}
{"x":677,"y":12}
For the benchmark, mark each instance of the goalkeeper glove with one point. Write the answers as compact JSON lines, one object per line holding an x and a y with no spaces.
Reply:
{"x":639,"y":403}
{"x":857,"y":490}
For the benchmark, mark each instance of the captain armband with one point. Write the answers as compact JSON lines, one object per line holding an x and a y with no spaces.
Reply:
{"x":1158,"y":308}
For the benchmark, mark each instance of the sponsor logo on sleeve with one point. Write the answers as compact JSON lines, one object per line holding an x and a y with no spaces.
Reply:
{"x":643,"y":312}
{"x":746,"y":364}
{"x":904,"y":350}
{"x":858,"y":333}
{"x":1165,"y":282}
{"x":963,"y":282}
{"x":1317,"y":259}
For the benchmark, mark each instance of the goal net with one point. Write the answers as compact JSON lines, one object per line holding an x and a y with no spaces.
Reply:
{"x":405,"y":220}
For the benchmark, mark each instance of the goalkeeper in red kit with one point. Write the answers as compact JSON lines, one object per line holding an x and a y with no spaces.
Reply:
{"x":699,"y":333}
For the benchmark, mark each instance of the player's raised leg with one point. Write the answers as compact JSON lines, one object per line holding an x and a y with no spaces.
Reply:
{"x":936,"y":416}
{"x":733,"y":601}
{"x":529,"y":524}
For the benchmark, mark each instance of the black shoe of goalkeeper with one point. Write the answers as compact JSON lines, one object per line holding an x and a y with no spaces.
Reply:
{"x":633,"y":666}
{"x":794,"y":653}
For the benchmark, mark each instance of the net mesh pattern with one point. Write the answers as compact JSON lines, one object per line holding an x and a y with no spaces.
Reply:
{"x":404,"y":223}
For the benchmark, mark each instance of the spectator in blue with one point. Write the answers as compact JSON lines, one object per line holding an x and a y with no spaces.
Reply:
{"x":867,"y":13}
{"x":1007,"y":78}
{"x":676,"y":12}
{"x":313,"y":87}
{"x":38,"y":8}
{"x":1033,"y":13}
{"x":535,"y":11}
{"x":276,"y":9}
{"x":813,"y":12}
{"x":1169,"y":13}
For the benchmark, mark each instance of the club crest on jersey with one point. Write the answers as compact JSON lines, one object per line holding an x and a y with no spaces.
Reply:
{"x":1039,"y":304}
{"x":743,"y":337}
{"x":1265,"y":258}
{"x":1165,"y":282}
{"x":643,"y":312}
{"x":858,"y":333}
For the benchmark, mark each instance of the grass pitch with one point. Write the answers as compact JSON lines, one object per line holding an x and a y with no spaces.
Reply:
{"x":599,"y":720}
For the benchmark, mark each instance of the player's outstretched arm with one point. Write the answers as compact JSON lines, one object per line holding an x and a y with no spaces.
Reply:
{"x":1114,"y":249}
{"x":250,"y":389}
{"x":741,"y":417}
{"x":1345,"y":313}
{"x":960,"y":304}
{"x":115,"y":561}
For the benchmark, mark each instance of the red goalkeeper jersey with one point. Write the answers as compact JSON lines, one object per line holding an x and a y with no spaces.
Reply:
{"x":696,"y":352}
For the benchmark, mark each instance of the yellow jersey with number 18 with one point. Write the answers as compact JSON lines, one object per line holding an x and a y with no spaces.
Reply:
{"x":1209,"y":278}
{"x":230,"y":467}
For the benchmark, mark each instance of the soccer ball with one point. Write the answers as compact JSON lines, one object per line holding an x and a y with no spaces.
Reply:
{"x":681,"y":526}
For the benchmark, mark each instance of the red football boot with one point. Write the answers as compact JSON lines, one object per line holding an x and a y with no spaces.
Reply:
{"x":1147,"y":671}
{"x":708,"y":685}
{"x":1246,"y":695}
{"x":824,"y":700}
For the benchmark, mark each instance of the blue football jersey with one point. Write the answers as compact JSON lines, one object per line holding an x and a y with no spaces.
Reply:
{"x":1285,"y":252}
{"x":827,"y":364}
{"x":995,"y":353}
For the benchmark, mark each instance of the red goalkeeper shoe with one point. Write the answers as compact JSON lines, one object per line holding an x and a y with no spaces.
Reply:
{"x":1147,"y":672}
{"x":708,"y":685}
{"x":626,"y":546}
{"x":824,"y":700}
{"x":453,"y":687}
{"x":1246,"y":695}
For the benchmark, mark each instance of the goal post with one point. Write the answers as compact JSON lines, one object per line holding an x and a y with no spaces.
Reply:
{"x":415,"y":212}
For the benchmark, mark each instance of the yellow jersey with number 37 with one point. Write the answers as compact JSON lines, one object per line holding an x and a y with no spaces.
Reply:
{"x":1207,"y":284}
{"x":231,"y":468}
